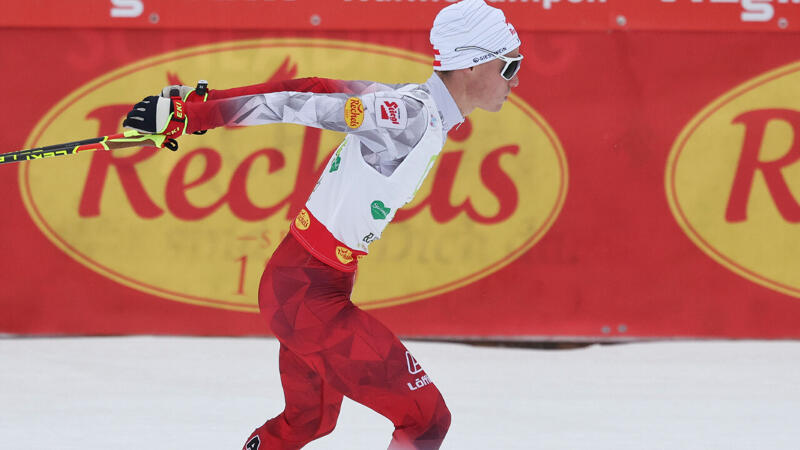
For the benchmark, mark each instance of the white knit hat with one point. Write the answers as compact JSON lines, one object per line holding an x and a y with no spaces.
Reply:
{"x":470,"y":22}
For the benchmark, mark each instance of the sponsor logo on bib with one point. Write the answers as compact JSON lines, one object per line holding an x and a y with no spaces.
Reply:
{"x":303,"y":220}
{"x":379,"y":210}
{"x":344,"y":254}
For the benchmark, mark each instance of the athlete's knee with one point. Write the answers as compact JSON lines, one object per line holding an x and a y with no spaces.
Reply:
{"x":438,"y":424}
{"x":324,"y":423}
{"x":326,"y":426}
{"x":445,"y":419}
{"x":433,"y":428}
{"x":426,"y":429}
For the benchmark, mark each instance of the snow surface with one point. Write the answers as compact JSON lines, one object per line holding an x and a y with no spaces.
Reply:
{"x":209,"y":393}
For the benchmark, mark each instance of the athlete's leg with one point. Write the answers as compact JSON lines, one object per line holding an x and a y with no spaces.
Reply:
{"x":359,"y":357}
{"x":372,"y":367}
{"x":307,"y":305}
{"x":312,"y":408}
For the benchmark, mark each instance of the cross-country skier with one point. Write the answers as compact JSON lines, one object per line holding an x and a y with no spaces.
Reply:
{"x":329,"y":347}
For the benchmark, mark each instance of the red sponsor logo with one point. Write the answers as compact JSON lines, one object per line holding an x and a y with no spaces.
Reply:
{"x":389,"y":111}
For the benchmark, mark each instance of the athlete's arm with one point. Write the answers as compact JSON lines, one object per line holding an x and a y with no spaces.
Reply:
{"x":152,"y":113}
{"x":312,"y":84}
{"x":336,"y":112}
{"x":388,"y":127}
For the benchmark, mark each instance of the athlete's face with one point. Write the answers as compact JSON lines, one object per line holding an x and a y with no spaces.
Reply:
{"x":490,"y":90}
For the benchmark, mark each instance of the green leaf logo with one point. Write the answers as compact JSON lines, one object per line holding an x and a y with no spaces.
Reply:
{"x":335,"y":164}
{"x":379,"y":210}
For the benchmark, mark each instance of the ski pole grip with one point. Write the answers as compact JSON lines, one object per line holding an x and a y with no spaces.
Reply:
{"x":202,"y":88}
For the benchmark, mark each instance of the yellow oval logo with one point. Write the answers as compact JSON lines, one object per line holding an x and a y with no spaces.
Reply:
{"x":344,"y":255}
{"x":733,"y":180}
{"x":198,"y":225}
{"x":353,"y":112}
{"x":303,"y":220}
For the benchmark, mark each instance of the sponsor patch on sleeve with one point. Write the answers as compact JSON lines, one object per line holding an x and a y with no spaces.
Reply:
{"x":353,"y":112}
{"x":390,"y":112}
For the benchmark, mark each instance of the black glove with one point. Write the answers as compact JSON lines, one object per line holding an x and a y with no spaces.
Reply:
{"x":158,"y":115}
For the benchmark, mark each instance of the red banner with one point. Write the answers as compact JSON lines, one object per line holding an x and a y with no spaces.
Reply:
{"x":636,"y":185}
{"x":417,"y":15}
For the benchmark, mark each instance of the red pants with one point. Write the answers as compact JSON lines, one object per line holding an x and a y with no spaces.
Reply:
{"x":330,"y":348}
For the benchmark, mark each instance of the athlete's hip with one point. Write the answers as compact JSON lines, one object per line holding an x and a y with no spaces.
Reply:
{"x":301,"y":298}
{"x":295,"y":275}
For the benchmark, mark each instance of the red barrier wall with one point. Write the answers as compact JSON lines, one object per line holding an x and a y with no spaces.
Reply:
{"x":643,"y":181}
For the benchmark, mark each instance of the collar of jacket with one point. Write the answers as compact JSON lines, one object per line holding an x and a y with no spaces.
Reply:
{"x":448,"y":109}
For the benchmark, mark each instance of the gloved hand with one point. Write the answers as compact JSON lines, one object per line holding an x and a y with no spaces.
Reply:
{"x":158,"y":115}
{"x":188,"y":94}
